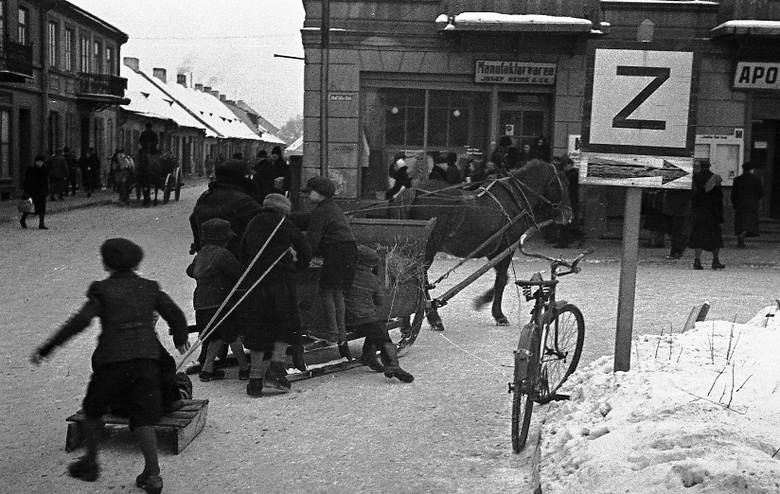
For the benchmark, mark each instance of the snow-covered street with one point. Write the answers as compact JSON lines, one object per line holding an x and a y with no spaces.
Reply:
{"x":357,"y":431}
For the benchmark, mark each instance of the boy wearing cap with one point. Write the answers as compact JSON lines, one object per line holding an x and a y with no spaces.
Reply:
{"x":125,"y":364}
{"x":273,"y":302}
{"x":217,"y":270}
{"x":331,"y":236}
{"x":362,"y":303}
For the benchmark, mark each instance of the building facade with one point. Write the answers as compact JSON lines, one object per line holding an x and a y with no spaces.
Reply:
{"x":59,"y":84}
{"x":430,"y":77}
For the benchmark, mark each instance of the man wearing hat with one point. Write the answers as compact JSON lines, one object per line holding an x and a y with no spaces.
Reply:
{"x":217,"y":270}
{"x":126,"y":362}
{"x":746,"y":195}
{"x":274,"y":312}
{"x":229,"y":198}
{"x":331,"y":237}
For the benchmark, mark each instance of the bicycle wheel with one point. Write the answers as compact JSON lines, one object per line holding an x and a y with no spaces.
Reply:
{"x":526,"y":374}
{"x":563,"y":347}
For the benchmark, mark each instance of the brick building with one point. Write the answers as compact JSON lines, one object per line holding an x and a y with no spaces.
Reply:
{"x":425,"y":77}
{"x":59,"y":84}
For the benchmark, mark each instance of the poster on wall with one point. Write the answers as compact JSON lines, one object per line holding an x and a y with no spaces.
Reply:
{"x":725,"y":153}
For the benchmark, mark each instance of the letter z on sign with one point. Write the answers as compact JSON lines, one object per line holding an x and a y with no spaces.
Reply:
{"x":641,"y":98}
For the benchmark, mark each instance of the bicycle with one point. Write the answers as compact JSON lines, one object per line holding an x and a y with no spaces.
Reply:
{"x":550,"y":344}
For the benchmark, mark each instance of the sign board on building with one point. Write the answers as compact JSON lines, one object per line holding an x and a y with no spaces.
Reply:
{"x":757,"y":75}
{"x":511,"y":72}
{"x":638,"y":128}
{"x":575,"y":146}
{"x":724,"y":153}
{"x":340,"y":96}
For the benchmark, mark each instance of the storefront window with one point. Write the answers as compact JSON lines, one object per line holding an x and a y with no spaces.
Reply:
{"x":405,"y":117}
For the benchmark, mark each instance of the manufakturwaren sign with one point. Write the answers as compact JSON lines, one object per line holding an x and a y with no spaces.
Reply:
{"x":511,"y":72}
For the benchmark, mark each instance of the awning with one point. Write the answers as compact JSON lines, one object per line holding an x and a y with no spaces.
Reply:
{"x":516,"y":23}
{"x":747,"y":28}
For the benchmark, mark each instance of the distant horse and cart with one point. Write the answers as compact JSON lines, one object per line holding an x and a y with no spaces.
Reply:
{"x":150,"y":174}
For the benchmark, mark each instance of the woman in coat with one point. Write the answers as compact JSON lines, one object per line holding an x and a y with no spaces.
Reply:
{"x":707,"y":202}
{"x":745,"y":197}
{"x":36,"y":186}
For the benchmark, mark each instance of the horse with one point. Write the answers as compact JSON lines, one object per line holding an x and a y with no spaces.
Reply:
{"x":149,"y":174}
{"x":468,"y":216}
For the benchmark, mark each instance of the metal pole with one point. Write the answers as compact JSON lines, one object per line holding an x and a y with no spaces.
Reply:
{"x":627,"y":290}
{"x":324,"y":68}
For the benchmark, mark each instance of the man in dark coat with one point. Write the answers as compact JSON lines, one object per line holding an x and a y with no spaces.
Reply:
{"x":73,"y":170}
{"x":280,"y":171}
{"x":58,"y":174}
{"x":36,"y":187}
{"x":273,"y":306}
{"x":228,"y":198}
{"x":707,"y":202}
{"x":745,"y":197}
{"x":90,"y":171}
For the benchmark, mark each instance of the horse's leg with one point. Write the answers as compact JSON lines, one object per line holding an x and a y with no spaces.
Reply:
{"x":433,"y":314}
{"x":498,"y":290}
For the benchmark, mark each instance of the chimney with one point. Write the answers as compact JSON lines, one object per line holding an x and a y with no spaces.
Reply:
{"x":160,"y":74}
{"x":198,"y":87}
{"x":214,"y":93}
{"x":181,"y":79}
{"x":222,"y":97}
{"x":131,"y":62}
{"x":207,"y":89}
{"x":230,"y":102}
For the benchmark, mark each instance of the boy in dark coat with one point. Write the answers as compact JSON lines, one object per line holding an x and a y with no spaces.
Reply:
{"x":331,"y":237}
{"x":745,"y":197}
{"x":217,"y":270}
{"x":125,"y":364}
{"x":275,"y":322}
{"x":362,"y":302}
{"x":36,"y":187}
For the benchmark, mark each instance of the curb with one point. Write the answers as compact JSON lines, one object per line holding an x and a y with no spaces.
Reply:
{"x":14,"y":216}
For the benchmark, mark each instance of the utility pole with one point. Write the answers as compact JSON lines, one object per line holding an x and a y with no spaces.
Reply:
{"x":324,"y":55}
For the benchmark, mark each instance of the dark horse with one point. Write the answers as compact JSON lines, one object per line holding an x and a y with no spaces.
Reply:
{"x":467,"y":217}
{"x":149,"y":174}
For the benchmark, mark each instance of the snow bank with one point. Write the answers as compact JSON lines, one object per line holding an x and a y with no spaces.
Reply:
{"x":697,"y":412}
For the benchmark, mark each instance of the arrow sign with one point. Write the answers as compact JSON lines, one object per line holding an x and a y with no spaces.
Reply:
{"x":606,"y":169}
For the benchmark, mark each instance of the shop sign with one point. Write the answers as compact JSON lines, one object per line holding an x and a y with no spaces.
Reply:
{"x":757,"y":75}
{"x":509,"y":72}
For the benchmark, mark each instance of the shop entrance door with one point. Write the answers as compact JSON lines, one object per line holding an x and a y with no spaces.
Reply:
{"x":523,"y":117}
{"x":764,"y":154}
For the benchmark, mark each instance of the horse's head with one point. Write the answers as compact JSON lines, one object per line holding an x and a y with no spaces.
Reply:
{"x":551,"y":188}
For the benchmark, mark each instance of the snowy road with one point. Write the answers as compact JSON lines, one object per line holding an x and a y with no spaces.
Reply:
{"x":446,"y":432}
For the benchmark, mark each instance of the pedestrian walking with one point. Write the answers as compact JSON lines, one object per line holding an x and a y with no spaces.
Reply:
{"x":73,"y":171}
{"x":746,"y":194}
{"x":36,"y":187}
{"x":89,"y":164}
{"x":58,"y":175}
{"x":126,"y":362}
{"x":275,"y":323}
{"x":707,"y":202}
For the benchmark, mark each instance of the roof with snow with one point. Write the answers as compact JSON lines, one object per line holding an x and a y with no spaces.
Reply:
{"x":746,"y":28}
{"x":209,"y":109}
{"x":296,"y":148}
{"x":147,"y":100}
{"x":494,"y":21}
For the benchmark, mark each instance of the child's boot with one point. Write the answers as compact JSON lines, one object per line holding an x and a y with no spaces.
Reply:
{"x":393,"y":369}
{"x":369,"y":357}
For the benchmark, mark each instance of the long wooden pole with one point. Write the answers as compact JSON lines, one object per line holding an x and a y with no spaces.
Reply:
{"x":627,"y":290}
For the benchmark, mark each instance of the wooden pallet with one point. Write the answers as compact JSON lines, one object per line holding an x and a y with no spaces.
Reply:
{"x":182,"y":425}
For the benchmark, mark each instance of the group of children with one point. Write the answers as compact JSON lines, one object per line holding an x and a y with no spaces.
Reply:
{"x":129,"y":359}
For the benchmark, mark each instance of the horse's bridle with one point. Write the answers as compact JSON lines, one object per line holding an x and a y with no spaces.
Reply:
{"x":554,"y":206}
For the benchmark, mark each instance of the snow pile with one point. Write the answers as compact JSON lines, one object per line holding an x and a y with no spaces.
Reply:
{"x":697,"y":412}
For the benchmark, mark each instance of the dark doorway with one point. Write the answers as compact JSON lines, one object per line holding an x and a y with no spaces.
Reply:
{"x":764,"y":154}
{"x":84,"y":135}
{"x":24,"y":136}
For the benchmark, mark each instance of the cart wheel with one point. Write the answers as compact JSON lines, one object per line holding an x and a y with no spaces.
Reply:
{"x":167,"y":188}
{"x":177,"y":191}
{"x":409,"y":334}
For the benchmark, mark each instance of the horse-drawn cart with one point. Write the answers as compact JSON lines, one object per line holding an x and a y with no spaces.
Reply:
{"x":401,"y":246}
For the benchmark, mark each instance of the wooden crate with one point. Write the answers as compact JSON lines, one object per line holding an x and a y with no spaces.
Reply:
{"x":182,"y":425}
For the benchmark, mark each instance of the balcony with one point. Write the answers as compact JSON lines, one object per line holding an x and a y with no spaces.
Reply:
{"x":15,"y":62}
{"x":102,"y":89}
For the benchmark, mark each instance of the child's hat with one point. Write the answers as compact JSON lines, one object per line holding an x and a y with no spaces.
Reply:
{"x":367,"y":256}
{"x":323,"y":185}
{"x":121,"y":254}
{"x":278,"y":203}
{"x":216,"y":230}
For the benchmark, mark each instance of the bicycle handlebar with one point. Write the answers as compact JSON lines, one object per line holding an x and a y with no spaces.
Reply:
{"x":572,"y":265}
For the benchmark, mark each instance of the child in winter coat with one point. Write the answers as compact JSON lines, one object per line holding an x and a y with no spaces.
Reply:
{"x":331,"y":236}
{"x":217,"y":270}
{"x":362,"y":301}
{"x":126,"y":362}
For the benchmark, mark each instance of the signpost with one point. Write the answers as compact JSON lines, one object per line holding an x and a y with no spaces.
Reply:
{"x":638,"y":132}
